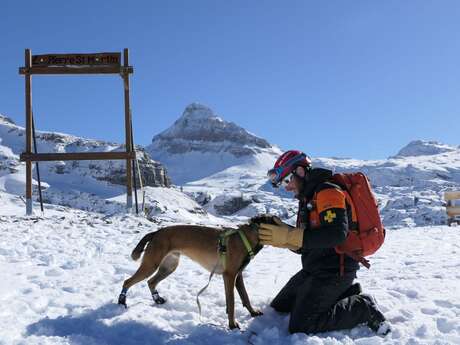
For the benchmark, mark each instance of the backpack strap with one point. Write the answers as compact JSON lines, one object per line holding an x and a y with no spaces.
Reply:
{"x":342,"y":264}
{"x":360,"y":259}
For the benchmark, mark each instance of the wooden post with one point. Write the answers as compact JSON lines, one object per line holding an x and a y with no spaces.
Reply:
{"x":129,"y":179}
{"x":28,"y":79}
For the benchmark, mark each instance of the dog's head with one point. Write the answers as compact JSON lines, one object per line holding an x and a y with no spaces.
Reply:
{"x":264,"y":218}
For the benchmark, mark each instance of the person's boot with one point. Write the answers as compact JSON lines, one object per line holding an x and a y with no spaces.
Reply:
{"x":377,"y":321}
{"x":354,"y":289}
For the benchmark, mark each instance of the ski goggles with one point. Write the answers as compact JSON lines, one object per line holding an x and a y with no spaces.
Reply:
{"x":285,"y":181}
{"x":274,"y":176}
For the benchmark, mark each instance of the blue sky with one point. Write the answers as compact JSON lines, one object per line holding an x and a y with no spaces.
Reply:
{"x":334,"y":78}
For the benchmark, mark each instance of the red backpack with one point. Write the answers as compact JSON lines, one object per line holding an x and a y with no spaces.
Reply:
{"x":370,"y":233}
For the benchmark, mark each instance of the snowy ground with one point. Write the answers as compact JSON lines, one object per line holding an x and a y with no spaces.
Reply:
{"x":61,"y":275}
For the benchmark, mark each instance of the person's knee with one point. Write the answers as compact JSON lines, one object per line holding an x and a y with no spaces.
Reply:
{"x":282,"y":306}
{"x":307,"y":325}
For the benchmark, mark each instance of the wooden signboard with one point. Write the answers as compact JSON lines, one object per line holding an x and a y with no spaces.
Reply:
{"x":76,"y":59}
{"x":96,"y":63}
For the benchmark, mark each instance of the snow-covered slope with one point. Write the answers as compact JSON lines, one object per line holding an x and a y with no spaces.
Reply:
{"x":410,"y":186}
{"x":70,"y":182}
{"x":200,"y":144}
{"x":61,"y":276}
{"x":61,"y":273}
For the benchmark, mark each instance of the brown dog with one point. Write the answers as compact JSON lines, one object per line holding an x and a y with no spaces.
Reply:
{"x":200,"y":244}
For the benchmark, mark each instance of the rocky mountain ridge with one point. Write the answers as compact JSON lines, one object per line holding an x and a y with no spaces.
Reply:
{"x":200,"y":143}
{"x":12,"y":139}
{"x":409,"y":186}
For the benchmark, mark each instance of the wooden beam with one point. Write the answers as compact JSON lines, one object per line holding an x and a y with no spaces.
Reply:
{"x":75,"y":156}
{"x":77,"y":70}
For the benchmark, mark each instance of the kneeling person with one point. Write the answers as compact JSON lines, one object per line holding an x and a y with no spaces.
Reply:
{"x":321,"y":296}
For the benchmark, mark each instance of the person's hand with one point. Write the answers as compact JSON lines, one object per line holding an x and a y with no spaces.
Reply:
{"x":280,"y":235}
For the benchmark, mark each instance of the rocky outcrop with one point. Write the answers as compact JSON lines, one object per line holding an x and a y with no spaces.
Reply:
{"x":198,"y":125}
{"x":152,"y":173}
{"x":200,"y":144}
{"x":12,"y":137}
{"x":226,"y":205}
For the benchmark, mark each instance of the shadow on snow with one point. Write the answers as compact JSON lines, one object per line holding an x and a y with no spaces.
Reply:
{"x":96,"y":327}
{"x":100,"y":327}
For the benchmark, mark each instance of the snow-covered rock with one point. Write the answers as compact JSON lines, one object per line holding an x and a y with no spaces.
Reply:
{"x":12,"y":138}
{"x":423,"y":148}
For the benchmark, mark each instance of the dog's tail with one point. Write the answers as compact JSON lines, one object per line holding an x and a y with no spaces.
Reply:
{"x":136,"y":253}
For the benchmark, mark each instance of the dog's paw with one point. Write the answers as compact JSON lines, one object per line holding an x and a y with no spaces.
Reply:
{"x":256,"y":313}
{"x":160,"y":300}
{"x":122,"y":300}
{"x":233,"y":325}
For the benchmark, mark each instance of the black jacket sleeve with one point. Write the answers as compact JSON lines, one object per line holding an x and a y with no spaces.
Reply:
{"x":330,"y":235}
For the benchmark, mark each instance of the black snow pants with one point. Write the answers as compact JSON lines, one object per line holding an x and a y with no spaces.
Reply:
{"x":313,"y":301}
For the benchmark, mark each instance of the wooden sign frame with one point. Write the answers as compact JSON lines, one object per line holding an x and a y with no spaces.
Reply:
{"x":97,"y":63}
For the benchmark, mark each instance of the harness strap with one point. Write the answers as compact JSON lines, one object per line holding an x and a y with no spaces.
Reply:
{"x":222,"y":246}
{"x":222,"y":251}
{"x":246,"y":244}
{"x":204,"y":288}
{"x":223,"y":242}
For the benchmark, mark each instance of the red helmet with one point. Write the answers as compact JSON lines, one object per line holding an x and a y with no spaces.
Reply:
{"x":286,"y":163}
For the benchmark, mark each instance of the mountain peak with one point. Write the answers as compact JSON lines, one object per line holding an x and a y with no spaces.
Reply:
{"x":424,"y":148}
{"x":197,"y":111}
{"x":199,"y":123}
{"x":205,"y":144}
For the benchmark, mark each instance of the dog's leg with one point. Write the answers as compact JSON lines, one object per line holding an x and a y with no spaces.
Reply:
{"x":146,"y":269}
{"x":167,"y":266}
{"x":229,"y":282}
{"x":244,"y":296}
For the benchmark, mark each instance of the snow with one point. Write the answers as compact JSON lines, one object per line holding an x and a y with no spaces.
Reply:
{"x":62,"y":273}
